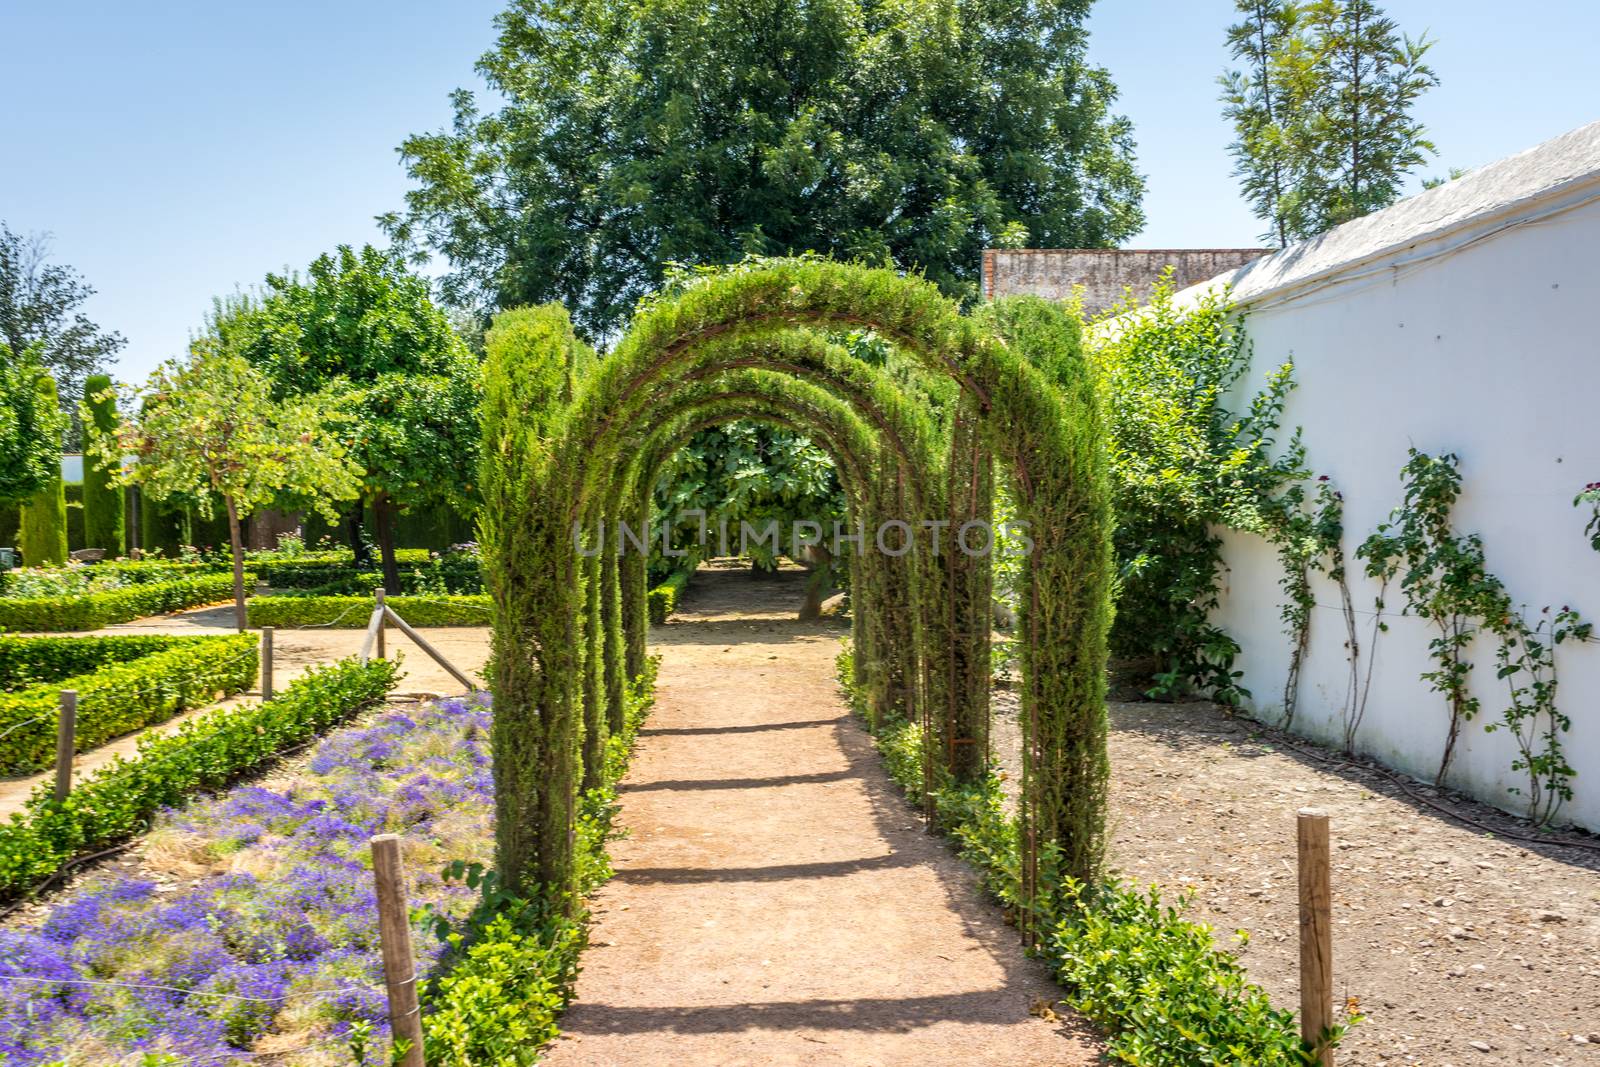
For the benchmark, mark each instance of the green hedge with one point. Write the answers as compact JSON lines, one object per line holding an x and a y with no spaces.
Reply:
{"x":117,"y":698}
{"x":663,"y":599}
{"x":28,"y":661}
{"x":104,"y":502}
{"x":352,"y":612}
{"x":94,"y":610}
{"x":117,"y":801}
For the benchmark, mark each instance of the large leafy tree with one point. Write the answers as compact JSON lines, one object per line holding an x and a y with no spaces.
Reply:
{"x":30,"y":428}
{"x":209,"y":427}
{"x":1323,"y":111}
{"x":39,"y":309}
{"x":361,"y":324}
{"x":635,"y":135}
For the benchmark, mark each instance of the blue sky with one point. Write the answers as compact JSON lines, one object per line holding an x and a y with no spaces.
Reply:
{"x":177,"y":150}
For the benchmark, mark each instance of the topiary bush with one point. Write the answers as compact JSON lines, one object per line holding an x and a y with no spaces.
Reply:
{"x":103,"y":501}
{"x":663,"y":599}
{"x":118,"y":696}
{"x":43,"y":536}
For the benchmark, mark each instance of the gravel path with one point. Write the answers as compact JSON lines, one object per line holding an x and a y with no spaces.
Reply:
{"x":776,"y":901}
{"x":1458,"y":946}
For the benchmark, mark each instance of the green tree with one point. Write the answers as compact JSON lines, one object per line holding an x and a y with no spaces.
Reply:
{"x":103,"y":497}
{"x":44,"y":512}
{"x":39,"y":306}
{"x":365,"y":327}
{"x":208,"y":427}
{"x":30,"y":431}
{"x":768,"y":478}
{"x":1322,"y":114}
{"x":636,"y":135}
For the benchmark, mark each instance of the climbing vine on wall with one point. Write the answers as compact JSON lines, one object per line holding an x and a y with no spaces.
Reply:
{"x":1590,"y":498}
{"x":1446,"y":581}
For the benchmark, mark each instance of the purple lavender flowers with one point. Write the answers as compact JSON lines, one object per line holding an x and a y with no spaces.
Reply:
{"x":256,"y":931}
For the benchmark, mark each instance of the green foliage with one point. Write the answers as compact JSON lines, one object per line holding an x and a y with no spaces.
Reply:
{"x":91,"y":611}
{"x":31,"y":425}
{"x":663,"y":599}
{"x":209,"y":427}
{"x":1590,"y":498}
{"x":1154,"y":980}
{"x":364,"y":327}
{"x":516,"y":959}
{"x":914,"y":135}
{"x":1446,"y":581}
{"x":1322,"y":112}
{"x":119,"y":696}
{"x":44,"y":514}
{"x":352,"y":612}
{"x":117,"y":801}
{"x":40,"y":308}
{"x":103,"y":503}
{"x":1183,"y":463}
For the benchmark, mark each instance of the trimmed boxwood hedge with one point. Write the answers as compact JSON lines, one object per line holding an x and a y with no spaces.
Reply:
{"x":352,"y":612}
{"x":28,"y":661}
{"x":663,"y":599}
{"x":94,"y":610}
{"x":117,"y":801}
{"x":169,"y":675}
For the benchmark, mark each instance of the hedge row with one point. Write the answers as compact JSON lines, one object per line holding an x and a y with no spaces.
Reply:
{"x":26,"y":661}
{"x":117,"y":801}
{"x":118,"y":698}
{"x":663,"y":599}
{"x":90,"y":611}
{"x":314,"y":568}
{"x":352,"y":612}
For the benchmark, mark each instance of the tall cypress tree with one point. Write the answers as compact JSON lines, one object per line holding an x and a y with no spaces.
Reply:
{"x":103,"y":501}
{"x":44,"y":514}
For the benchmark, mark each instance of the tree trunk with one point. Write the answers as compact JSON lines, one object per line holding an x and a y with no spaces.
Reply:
{"x":352,"y":533}
{"x":383,"y":518}
{"x":818,"y":583}
{"x":236,"y":537}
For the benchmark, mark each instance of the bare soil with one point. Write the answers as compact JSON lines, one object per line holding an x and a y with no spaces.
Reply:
{"x":1457,"y":945}
{"x":776,"y":900}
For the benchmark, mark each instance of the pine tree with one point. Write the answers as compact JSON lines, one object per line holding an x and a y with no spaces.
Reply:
{"x":1261,"y":109}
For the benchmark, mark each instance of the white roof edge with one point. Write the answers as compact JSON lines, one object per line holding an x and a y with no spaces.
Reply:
{"x":1550,"y":178}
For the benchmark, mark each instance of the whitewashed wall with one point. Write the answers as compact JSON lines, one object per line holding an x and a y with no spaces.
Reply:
{"x":1483,"y":342}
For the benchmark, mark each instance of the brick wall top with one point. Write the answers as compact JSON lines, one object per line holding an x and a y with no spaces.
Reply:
{"x":1103,"y":273}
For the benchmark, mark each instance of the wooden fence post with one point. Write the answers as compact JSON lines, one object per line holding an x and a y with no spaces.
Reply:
{"x":382,"y":620}
{"x":1316,"y":931}
{"x":266,"y":664}
{"x":399,"y":965}
{"x":66,"y":742}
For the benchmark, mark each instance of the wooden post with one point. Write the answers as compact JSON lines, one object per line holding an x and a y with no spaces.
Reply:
{"x":382,"y":621}
{"x":394,"y":931}
{"x":1316,"y":931}
{"x":427,"y":646}
{"x":66,"y":742}
{"x":266,"y":664}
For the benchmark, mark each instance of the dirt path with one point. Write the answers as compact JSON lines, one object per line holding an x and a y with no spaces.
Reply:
{"x":1459,"y":947}
{"x":294,"y":652}
{"x":776,"y":901}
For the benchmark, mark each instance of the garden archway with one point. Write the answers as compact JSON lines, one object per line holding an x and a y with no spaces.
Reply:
{"x":556,"y":423}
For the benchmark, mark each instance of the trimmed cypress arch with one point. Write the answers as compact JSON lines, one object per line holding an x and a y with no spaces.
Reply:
{"x":558,"y":428}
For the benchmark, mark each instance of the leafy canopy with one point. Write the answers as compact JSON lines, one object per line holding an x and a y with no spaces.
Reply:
{"x":635,"y":135}
{"x":39,"y":304}
{"x":30,"y":427}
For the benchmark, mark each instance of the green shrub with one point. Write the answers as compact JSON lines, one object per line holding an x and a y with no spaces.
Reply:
{"x":117,"y":801}
{"x":73,"y":493}
{"x":353,"y":612}
{"x":118,"y":697}
{"x":103,"y":502}
{"x":91,"y":611}
{"x":28,"y":661}
{"x":44,"y":514}
{"x":663,"y":599}
{"x":516,"y":960}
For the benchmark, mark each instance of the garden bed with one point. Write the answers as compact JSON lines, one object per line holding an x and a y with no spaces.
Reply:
{"x":104,"y":607}
{"x":123,"y":682}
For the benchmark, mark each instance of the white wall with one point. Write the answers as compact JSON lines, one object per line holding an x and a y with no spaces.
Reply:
{"x":1489,"y":350}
